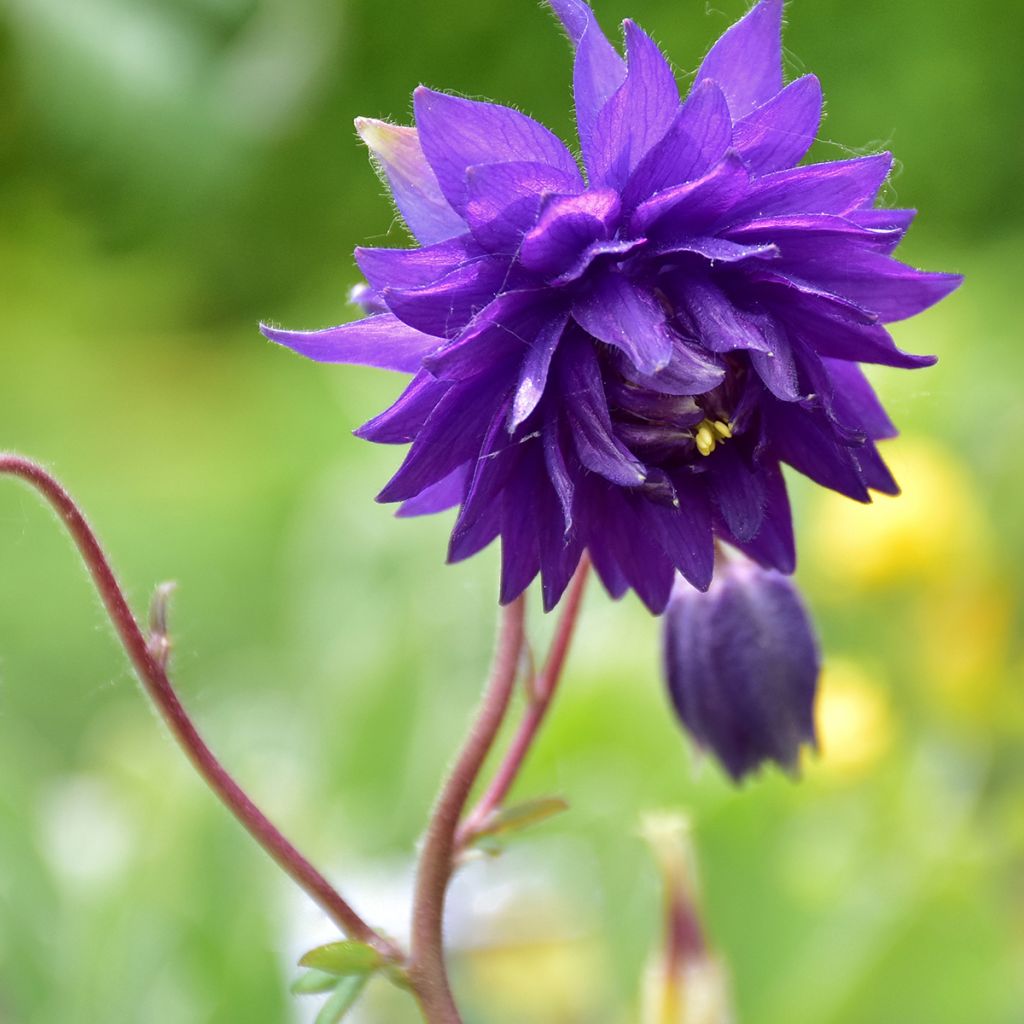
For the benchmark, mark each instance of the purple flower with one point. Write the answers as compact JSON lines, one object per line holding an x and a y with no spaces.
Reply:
{"x":742,"y":666}
{"x":619,"y":359}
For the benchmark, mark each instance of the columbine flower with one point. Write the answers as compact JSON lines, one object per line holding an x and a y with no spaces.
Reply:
{"x":742,"y":666}
{"x":619,"y":358}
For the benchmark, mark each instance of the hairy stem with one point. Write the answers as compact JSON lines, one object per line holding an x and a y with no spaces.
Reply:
{"x":541,"y":695}
{"x":427,"y":971}
{"x":149,"y":665}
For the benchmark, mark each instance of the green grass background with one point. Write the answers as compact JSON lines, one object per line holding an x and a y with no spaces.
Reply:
{"x":173,"y":171}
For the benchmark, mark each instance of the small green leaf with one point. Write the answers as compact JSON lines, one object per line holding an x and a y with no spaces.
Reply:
{"x":343,"y":958}
{"x":344,"y":998}
{"x":520,"y":816}
{"x":313,"y":983}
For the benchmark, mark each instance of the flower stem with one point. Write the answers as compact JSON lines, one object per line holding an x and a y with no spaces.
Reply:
{"x":149,"y":666}
{"x":427,"y":971}
{"x":541,"y":695}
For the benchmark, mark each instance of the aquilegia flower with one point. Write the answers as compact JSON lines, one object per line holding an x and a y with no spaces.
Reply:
{"x":619,"y":358}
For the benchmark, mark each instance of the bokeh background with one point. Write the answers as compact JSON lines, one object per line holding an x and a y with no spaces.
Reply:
{"x":173,"y":171}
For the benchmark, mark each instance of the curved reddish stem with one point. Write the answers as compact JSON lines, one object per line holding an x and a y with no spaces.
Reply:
{"x":427,"y":971}
{"x":541,"y":695}
{"x":149,"y":667}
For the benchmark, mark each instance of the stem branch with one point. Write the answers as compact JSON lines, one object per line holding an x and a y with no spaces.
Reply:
{"x":427,"y":970}
{"x":541,"y":695}
{"x":150,"y":669}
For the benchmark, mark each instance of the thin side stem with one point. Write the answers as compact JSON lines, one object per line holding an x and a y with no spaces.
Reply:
{"x":427,"y":971}
{"x":148,"y":665}
{"x":541,"y":696}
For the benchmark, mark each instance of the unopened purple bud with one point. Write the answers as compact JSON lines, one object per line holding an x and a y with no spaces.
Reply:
{"x":742,"y":666}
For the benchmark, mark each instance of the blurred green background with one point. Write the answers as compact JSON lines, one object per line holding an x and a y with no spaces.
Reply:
{"x":173,"y":171}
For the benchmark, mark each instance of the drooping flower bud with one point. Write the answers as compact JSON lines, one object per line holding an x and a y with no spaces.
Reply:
{"x":742,"y":666}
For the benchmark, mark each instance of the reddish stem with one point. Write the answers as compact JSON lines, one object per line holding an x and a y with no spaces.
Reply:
{"x":148,"y":665}
{"x":427,"y":971}
{"x":541,"y":695}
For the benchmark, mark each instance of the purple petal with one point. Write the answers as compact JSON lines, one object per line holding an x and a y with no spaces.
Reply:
{"x":720,"y":325}
{"x":637,"y":117}
{"x":883,"y":220}
{"x":567,"y":225}
{"x":451,"y":436}
{"x":747,"y":61}
{"x":498,"y":462}
{"x":504,"y":200}
{"x":533,"y":374}
{"x":593,"y":252}
{"x":877,"y":282}
{"x":777,"y":367}
{"x":737,"y":491}
{"x":685,"y":532}
{"x":557,"y":466}
{"x":816,"y":235}
{"x":689,"y":371}
{"x":836,"y":187}
{"x":414,"y":268}
{"x":857,"y":399}
{"x":822,"y":330}
{"x":396,"y":150}
{"x":520,"y":543}
{"x":445,"y":307}
{"x":691,"y":208}
{"x":774,"y":546}
{"x":560,"y":552}
{"x":717,"y":250}
{"x":875,"y":472}
{"x":779,"y":133}
{"x":589,"y":419}
{"x":457,"y":134}
{"x":598,"y":71}
{"x":405,"y":418}
{"x":697,"y":140}
{"x":622,"y":313}
{"x":802,"y":439}
{"x":382,"y":341}
{"x":439,"y":497}
{"x":503,"y":329}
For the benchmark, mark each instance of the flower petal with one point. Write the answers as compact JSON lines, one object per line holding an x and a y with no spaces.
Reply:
{"x":637,"y":117}
{"x":414,"y":268}
{"x":457,"y":134}
{"x":445,"y":307}
{"x":598,"y":70}
{"x":382,"y":341}
{"x":400,"y":423}
{"x":451,"y":436}
{"x":696,"y":141}
{"x":533,"y":374}
{"x":622,"y":313}
{"x":691,"y":208}
{"x":718,"y":323}
{"x":747,"y":60}
{"x":778,"y":133}
{"x":396,"y":151}
{"x":566,"y":226}
{"x":589,"y":420}
{"x":505,"y":199}
{"x":836,"y":187}
{"x":439,"y":497}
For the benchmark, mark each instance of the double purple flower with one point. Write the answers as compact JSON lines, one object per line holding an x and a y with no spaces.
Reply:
{"x":615,"y":353}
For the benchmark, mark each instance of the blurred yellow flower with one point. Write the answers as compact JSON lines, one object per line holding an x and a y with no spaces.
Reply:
{"x":854,"y":721}
{"x":934,"y":525}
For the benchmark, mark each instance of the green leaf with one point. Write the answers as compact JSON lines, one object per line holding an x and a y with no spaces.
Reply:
{"x":313,"y":983}
{"x":344,"y":998}
{"x":520,"y":816}
{"x":343,"y":958}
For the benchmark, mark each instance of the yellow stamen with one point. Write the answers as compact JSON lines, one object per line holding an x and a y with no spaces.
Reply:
{"x":705,"y":438}
{"x":710,"y":434}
